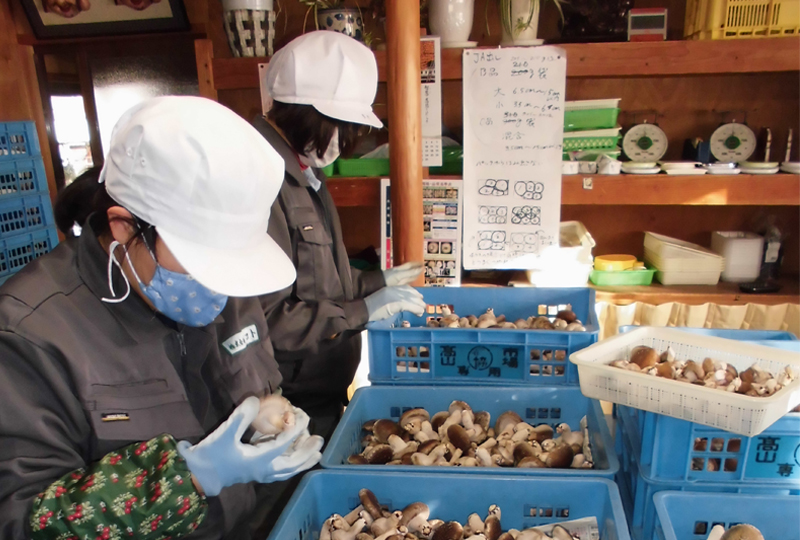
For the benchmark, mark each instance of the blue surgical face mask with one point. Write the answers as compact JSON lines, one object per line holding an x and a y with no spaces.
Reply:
{"x":177,"y":296}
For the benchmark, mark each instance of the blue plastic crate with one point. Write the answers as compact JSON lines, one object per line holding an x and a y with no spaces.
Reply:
{"x":421,"y":355}
{"x":18,"y":140}
{"x":535,"y":405}
{"x":667,"y":448}
{"x":25,"y":214}
{"x":524,"y":502}
{"x":637,"y":490}
{"x":18,"y":250}
{"x":690,"y":516}
{"x":22,"y":177}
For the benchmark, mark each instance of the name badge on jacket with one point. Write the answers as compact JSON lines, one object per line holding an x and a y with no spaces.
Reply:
{"x":240,"y":340}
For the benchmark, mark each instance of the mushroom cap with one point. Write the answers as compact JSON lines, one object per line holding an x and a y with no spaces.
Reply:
{"x":560,"y":457}
{"x":567,"y":315}
{"x":542,"y":323}
{"x":385,"y":427}
{"x":438,"y":419}
{"x":459,"y":437}
{"x":413,"y":510}
{"x":508,"y":418}
{"x":414,"y":413}
{"x":483,"y":419}
{"x":427,"y":446}
{"x":491,"y":528}
{"x":560,"y":533}
{"x":379,"y":454}
{"x":541,"y":433}
{"x":644,"y":356}
{"x":523,"y":450}
{"x":742,"y":532}
{"x":452,"y":530}
{"x":357,"y":459}
{"x":368,"y":425}
{"x":531,"y":462}
{"x":370,"y":503}
{"x":458,"y":406}
{"x":665,"y":370}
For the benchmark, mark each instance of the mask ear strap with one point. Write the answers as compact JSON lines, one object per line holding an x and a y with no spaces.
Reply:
{"x":112,"y":260}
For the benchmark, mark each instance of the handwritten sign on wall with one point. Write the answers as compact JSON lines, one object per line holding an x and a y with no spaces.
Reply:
{"x":513,"y":133}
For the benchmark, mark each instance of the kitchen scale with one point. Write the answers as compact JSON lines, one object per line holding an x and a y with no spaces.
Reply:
{"x":733,"y":143}
{"x":644,"y":143}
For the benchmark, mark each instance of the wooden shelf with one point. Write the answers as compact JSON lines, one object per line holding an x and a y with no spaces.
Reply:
{"x":195,"y":31}
{"x":598,"y":60}
{"x":660,"y":189}
{"x":722,"y":293}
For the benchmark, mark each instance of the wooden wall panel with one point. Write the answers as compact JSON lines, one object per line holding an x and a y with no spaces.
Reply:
{"x":620,"y":229}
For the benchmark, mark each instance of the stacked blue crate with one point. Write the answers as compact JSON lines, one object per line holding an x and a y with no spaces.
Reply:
{"x":27,"y":227}
{"x":660,"y":454}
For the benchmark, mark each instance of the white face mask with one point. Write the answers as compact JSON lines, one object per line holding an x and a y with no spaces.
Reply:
{"x":310,"y":158}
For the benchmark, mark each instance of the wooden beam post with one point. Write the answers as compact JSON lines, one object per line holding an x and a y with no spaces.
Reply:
{"x":405,"y":128}
{"x":204,"y":55}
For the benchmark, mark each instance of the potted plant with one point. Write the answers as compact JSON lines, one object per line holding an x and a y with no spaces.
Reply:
{"x":520,"y":20}
{"x":451,"y":20}
{"x":334,"y":15}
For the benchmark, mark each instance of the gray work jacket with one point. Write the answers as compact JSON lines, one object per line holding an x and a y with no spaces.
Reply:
{"x":315,"y":323}
{"x":67,"y":358}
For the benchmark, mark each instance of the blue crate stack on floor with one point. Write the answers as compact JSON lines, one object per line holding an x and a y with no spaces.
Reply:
{"x":27,"y":227}
{"x":693,"y":468}
{"x":492,"y":370}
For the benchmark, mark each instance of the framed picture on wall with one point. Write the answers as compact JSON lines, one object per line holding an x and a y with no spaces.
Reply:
{"x":82,"y":18}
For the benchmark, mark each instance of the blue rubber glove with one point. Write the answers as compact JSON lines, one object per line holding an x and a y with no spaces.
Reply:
{"x":390,"y":301}
{"x":403,"y":274}
{"x":222,"y":460}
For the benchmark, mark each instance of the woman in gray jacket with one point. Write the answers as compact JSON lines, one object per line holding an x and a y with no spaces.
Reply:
{"x":131,"y":361}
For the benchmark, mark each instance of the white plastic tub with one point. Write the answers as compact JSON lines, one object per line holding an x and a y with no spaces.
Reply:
{"x":732,"y":412}
{"x":568,"y":265}
{"x":742,"y":252}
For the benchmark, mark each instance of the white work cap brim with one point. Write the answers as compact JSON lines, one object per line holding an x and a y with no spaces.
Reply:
{"x":250,"y":271}
{"x":355,"y":114}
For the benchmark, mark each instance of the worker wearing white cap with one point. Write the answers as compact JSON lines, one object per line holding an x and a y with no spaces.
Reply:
{"x":322,"y":85}
{"x":130,"y":365}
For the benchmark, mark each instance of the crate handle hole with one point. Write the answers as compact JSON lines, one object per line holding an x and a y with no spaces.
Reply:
{"x":424,"y":367}
{"x":534,"y":370}
{"x":700,"y":527}
{"x":714,"y":465}
{"x":717,"y":445}
{"x":413,"y":367}
{"x":735,"y":446}
{"x":731,"y":465}
{"x":561,"y":355}
{"x":700,"y":445}
{"x":547,"y":355}
{"x":424,"y":352}
{"x":547,"y":370}
{"x":400,"y":352}
{"x":562,"y":513}
{"x":546,"y":512}
{"x":412,"y":352}
{"x":400,"y":366}
{"x":698,"y":464}
{"x":536,"y":355}
{"x":560,"y":371}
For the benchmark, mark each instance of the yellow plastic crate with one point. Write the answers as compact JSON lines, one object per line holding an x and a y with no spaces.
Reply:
{"x":736,"y":19}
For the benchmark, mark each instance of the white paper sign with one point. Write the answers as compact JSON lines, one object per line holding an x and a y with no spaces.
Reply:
{"x":513,"y":134}
{"x":431,"y":88}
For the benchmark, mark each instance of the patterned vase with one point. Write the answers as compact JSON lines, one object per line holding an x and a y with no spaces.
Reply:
{"x":345,"y":20}
{"x":249,"y":26}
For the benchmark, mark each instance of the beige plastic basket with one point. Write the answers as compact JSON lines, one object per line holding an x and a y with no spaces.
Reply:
{"x":732,"y":412}
{"x":734,"y":19}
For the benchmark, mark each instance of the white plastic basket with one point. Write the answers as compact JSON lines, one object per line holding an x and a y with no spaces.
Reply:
{"x":732,"y":412}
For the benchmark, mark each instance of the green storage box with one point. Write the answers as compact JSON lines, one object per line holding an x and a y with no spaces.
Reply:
{"x":590,"y":119}
{"x":596,"y":139}
{"x":452,"y":161}
{"x":362,"y":167}
{"x":622,"y":277}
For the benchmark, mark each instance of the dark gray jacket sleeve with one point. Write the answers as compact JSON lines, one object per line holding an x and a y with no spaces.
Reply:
{"x":44,"y":434}
{"x":306,"y":327}
{"x":366,"y":282}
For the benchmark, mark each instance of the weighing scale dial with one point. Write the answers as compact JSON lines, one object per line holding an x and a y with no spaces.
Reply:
{"x":645,"y":142}
{"x":733,"y":143}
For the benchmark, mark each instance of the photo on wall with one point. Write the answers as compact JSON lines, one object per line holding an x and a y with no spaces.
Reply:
{"x":82,"y":18}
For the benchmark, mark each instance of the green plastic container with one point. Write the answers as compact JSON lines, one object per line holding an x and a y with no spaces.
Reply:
{"x":580,"y":119}
{"x":452,"y":161}
{"x":362,"y":167}
{"x":622,"y":278}
{"x":329,"y":170}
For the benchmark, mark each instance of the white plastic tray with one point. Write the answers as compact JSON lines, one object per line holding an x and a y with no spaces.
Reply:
{"x":732,"y":412}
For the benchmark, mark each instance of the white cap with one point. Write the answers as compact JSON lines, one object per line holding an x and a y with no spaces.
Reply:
{"x":333,"y":72}
{"x":206,"y":179}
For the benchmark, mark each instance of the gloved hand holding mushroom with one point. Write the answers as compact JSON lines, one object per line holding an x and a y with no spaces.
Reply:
{"x":222,"y":459}
{"x":460,"y":437}
{"x":370,"y":520}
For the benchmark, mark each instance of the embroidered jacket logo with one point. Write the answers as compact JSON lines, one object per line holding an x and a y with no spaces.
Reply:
{"x":239,"y":341}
